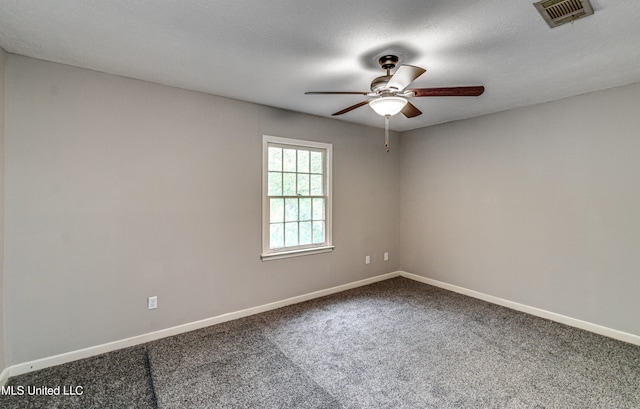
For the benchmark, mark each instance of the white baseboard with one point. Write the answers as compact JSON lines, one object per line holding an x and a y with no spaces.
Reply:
{"x":37,"y":364}
{"x":42,"y":363}
{"x":563,"y":319}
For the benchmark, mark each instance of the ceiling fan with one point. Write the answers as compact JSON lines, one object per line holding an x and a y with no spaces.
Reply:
{"x":389,"y":92}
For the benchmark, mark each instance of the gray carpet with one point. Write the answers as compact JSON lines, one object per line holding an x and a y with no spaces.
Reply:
{"x":119,"y":379}
{"x":230,"y":365}
{"x":393,"y":344}
{"x":401,"y":344}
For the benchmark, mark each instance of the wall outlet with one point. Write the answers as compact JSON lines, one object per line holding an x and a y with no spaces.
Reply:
{"x":367,"y":259}
{"x":386,"y":256}
{"x":152,"y":302}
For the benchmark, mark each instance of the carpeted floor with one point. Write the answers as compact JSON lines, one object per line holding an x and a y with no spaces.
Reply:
{"x":393,"y":344}
{"x":119,"y":379}
{"x":232,"y":365}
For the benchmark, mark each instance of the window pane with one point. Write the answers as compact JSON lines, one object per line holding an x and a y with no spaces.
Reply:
{"x":276,"y":210}
{"x":305,"y":233}
{"x":291,"y":234}
{"x":275,"y":158}
{"x":291,"y":210}
{"x":295,"y":195}
{"x":318,"y":209}
{"x":289,"y":160}
{"x":316,"y":162}
{"x":303,"y":161}
{"x":303,"y":184}
{"x":276,"y":236}
{"x":275,"y":184}
{"x":318,"y":232}
{"x":305,"y":209}
{"x":316,"y":186}
{"x":289,"y":184}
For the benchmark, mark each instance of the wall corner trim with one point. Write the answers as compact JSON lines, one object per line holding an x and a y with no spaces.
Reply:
{"x":4,"y":377}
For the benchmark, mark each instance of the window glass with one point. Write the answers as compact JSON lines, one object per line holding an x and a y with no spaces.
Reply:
{"x":297,"y":194}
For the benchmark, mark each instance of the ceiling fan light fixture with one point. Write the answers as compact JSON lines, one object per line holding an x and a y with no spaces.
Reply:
{"x":388,"y":106}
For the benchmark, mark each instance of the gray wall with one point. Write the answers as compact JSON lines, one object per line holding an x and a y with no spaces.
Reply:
{"x":118,"y":189}
{"x":2,"y":353}
{"x":539,"y":205}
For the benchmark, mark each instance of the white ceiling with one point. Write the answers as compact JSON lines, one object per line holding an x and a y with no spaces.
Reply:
{"x":271,"y":52}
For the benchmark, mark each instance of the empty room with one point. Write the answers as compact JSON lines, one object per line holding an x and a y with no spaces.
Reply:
{"x":336,"y":204}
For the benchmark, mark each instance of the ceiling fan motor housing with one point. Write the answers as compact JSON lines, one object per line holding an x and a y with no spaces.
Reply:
{"x":379,"y":84}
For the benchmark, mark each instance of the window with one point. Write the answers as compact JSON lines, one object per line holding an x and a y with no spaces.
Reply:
{"x":296,"y":198}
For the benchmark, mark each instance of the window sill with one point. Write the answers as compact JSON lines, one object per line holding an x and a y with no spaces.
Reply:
{"x":296,"y":253}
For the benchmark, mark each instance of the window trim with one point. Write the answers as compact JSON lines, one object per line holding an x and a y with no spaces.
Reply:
{"x":327,"y":246}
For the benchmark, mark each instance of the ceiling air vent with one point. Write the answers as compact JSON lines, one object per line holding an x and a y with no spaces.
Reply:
{"x":558,"y":12}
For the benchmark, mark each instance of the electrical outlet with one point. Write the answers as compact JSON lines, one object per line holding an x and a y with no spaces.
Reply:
{"x":152,"y":302}
{"x":367,"y":259}
{"x":386,"y":256}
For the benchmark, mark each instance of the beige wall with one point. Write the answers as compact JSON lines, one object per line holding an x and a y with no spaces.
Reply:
{"x":539,"y":205}
{"x":2,"y":352}
{"x":119,"y":189}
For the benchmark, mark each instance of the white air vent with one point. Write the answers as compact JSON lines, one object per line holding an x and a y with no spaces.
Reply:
{"x":558,"y":12}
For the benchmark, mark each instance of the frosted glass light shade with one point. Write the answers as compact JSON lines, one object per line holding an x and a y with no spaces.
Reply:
{"x":388,"y":105}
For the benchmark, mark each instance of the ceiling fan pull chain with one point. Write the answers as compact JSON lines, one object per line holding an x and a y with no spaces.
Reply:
{"x":386,"y":132}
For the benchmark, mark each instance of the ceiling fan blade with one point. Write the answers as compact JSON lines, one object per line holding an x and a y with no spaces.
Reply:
{"x":448,"y":92}
{"x":405,"y":74}
{"x":410,"y":110}
{"x":351,"y":108}
{"x":335,"y":92}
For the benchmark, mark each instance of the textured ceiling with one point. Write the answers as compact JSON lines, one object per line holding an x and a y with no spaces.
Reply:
{"x":271,"y":52}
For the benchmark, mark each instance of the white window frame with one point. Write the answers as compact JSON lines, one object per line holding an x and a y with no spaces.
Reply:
{"x":272,"y":254}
